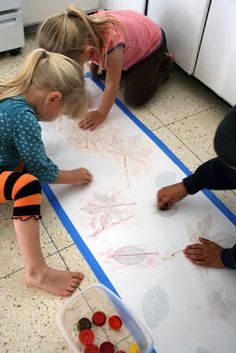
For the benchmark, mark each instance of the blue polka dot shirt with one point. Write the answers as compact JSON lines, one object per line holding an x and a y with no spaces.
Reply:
{"x":20,"y":140}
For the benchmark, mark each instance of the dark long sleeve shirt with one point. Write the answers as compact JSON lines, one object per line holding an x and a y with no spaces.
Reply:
{"x":214,"y":175}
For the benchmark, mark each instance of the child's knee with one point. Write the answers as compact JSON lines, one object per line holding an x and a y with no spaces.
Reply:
{"x":27,"y":198}
{"x":135,"y":99}
{"x":27,"y":185}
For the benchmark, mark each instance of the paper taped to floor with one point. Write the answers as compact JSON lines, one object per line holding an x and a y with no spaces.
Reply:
{"x":186,"y":309}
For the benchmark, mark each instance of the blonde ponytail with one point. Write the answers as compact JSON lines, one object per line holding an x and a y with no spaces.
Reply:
{"x":69,"y":32}
{"x":22,"y":81}
{"x":53,"y":72}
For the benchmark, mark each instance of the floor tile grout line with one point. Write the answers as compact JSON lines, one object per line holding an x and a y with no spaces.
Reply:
{"x":50,"y":237}
{"x":58,"y":251}
{"x":62,"y":249}
{"x":200,"y":160}
{"x":45,"y":257}
{"x":188,"y":116}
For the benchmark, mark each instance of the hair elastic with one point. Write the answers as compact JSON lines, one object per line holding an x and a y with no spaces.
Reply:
{"x":44,"y":54}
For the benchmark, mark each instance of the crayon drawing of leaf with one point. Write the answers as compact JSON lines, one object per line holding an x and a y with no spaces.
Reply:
{"x":81,"y":139}
{"x":106,"y":211}
{"x":131,"y":255}
{"x":112,"y":216}
{"x":155,"y":306}
{"x":221,"y":307}
{"x":205,"y":226}
{"x":202,"y":229}
{"x":133,"y":152}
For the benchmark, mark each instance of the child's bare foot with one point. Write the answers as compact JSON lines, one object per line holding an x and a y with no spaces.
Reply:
{"x":171,"y":194}
{"x":61,"y":283}
{"x":206,"y":253}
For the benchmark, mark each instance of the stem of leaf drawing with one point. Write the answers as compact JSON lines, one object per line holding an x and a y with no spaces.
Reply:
{"x":176,"y":252}
{"x":113,"y":224}
{"x":206,"y":226}
{"x":138,"y":254}
{"x":104,"y":223}
{"x":126,"y":170}
{"x":86,"y":140}
{"x":112,"y":206}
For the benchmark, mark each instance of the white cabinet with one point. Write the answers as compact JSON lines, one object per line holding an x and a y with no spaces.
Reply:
{"x":35,"y":11}
{"x":11,"y":30}
{"x":216,"y":64}
{"x":183,"y":22}
{"x":11,"y":26}
{"x":137,"y":5}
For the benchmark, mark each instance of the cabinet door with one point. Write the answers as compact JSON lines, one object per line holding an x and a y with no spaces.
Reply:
{"x":124,"y":5}
{"x":37,"y":11}
{"x":183,"y":22}
{"x":216,"y":64}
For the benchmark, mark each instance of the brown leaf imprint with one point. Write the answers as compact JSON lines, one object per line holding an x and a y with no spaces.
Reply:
{"x":106,"y":211}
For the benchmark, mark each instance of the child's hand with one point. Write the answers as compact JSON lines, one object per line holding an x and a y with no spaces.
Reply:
{"x":81,"y":176}
{"x":206,"y":253}
{"x":171,"y":194}
{"x":92,"y":121}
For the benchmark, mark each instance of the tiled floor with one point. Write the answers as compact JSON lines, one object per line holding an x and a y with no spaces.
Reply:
{"x":184,"y":115}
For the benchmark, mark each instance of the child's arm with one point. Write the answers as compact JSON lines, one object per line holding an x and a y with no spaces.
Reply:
{"x":112,"y":83}
{"x":171,"y":194}
{"x":76,"y":177}
{"x":213,"y":174}
{"x":31,"y":150}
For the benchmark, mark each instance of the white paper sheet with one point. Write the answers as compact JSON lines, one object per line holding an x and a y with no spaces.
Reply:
{"x":187,"y":309}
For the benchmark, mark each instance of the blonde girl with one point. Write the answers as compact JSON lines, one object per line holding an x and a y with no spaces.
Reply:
{"x":49,"y":84}
{"x":116,"y":42}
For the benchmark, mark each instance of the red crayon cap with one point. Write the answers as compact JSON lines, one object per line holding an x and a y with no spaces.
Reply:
{"x":91,"y":348}
{"x":107,"y":347}
{"x":115,"y":322}
{"x":99,"y":318}
{"x":86,"y":336}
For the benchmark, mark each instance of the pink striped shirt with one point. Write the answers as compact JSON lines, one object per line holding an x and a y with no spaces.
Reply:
{"x":142,"y":37}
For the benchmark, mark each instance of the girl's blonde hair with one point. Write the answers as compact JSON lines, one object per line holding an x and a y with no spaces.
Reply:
{"x":53,"y":72}
{"x":69,"y":32}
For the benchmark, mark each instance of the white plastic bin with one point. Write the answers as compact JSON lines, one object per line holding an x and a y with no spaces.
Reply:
{"x":99,"y":298}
